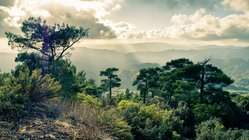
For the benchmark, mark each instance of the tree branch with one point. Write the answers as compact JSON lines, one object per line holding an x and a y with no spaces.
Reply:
{"x":37,"y":49}
{"x":69,"y":46}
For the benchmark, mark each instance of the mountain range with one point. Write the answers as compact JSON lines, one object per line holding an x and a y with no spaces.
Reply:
{"x":129,"y":58}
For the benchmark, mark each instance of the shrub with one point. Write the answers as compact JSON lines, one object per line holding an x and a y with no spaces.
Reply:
{"x":213,"y":129}
{"x":111,"y":122}
{"x":88,"y":99}
{"x":150,"y":122}
{"x":24,"y":89}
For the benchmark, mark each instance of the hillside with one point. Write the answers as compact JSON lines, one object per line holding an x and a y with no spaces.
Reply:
{"x":233,"y":60}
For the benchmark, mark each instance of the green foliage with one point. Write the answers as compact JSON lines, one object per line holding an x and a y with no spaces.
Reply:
{"x":122,"y":131}
{"x":149,"y":122}
{"x":184,"y":91}
{"x":185,"y":113}
{"x":48,"y":44}
{"x":213,"y":129}
{"x":125,"y":104}
{"x":242,"y":101}
{"x":171,"y":107}
{"x":111,"y":81}
{"x":147,"y":80}
{"x":208,"y":129}
{"x":88,"y":99}
{"x":115,"y":125}
{"x":51,"y":41}
{"x":22,"y":90}
{"x":176,"y":136}
{"x":183,"y":76}
{"x":72,"y":82}
{"x":32,"y":60}
{"x":36,"y":87}
{"x":3,"y":77}
{"x":91,"y":88}
{"x":225,"y":111}
{"x":123,"y":95}
{"x":204,"y":112}
{"x":177,"y":63}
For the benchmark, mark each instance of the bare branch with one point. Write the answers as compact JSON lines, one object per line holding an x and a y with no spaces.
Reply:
{"x":69,"y":46}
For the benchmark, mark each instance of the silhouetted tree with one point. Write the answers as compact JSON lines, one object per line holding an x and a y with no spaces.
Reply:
{"x":111,"y":81}
{"x":147,"y":80}
{"x":171,"y":73}
{"x":211,"y":79}
{"x":51,"y":42}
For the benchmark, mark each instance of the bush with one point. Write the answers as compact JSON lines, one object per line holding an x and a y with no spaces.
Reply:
{"x":72,"y":82}
{"x":208,"y":129}
{"x":88,"y":100}
{"x":227,"y":112}
{"x":24,"y":89}
{"x":184,"y":112}
{"x":150,"y":122}
{"x":115,"y":125}
{"x":213,"y":130}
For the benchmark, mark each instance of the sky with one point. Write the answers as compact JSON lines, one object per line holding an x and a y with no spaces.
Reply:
{"x":184,"y":22}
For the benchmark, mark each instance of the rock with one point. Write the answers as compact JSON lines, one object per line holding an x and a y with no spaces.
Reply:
{"x":50,"y":136}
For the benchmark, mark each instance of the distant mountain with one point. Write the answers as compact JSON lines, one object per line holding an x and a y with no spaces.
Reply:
{"x":137,"y":47}
{"x":92,"y":61}
{"x":7,"y":61}
{"x":233,"y":60}
{"x":196,"y":55}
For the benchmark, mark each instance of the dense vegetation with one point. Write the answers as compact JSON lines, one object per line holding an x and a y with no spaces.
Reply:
{"x":180,"y":100}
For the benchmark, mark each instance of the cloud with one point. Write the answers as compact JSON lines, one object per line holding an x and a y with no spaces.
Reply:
{"x":184,"y":19}
{"x":178,"y":4}
{"x":7,"y":2}
{"x":239,"y":5}
{"x":199,"y":26}
{"x":180,"y":19}
{"x":120,"y":28}
{"x":209,"y":27}
{"x":74,"y":12}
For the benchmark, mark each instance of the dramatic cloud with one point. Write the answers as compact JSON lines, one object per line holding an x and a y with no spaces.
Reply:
{"x":76,"y":12}
{"x":202,"y":25}
{"x":205,"y":26}
{"x":137,"y":19}
{"x":119,"y":28}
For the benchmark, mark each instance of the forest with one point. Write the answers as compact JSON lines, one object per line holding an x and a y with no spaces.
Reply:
{"x":46,"y":97}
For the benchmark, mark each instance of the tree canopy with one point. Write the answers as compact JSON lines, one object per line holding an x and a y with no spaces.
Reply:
{"x":51,"y":42}
{"x":180,"y":100}
{"x":112,"y":80}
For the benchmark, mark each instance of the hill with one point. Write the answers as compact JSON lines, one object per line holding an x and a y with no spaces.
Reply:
{"x":232,"y":60}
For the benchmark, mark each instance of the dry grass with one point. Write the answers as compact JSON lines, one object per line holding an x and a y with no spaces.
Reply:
{"x":74,"y":121}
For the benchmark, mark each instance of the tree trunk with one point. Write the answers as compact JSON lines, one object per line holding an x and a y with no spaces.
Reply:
{"x":170,"y":95}
{"x":152,"y":93}
{"x":203,"y":78}
{"x":169,"y":100}
{"x":146,"y":91}
{"x":44,"y":64}
{"x":110,"y":88}
{"x":202,"y":84}
{"x":144,"y":97}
